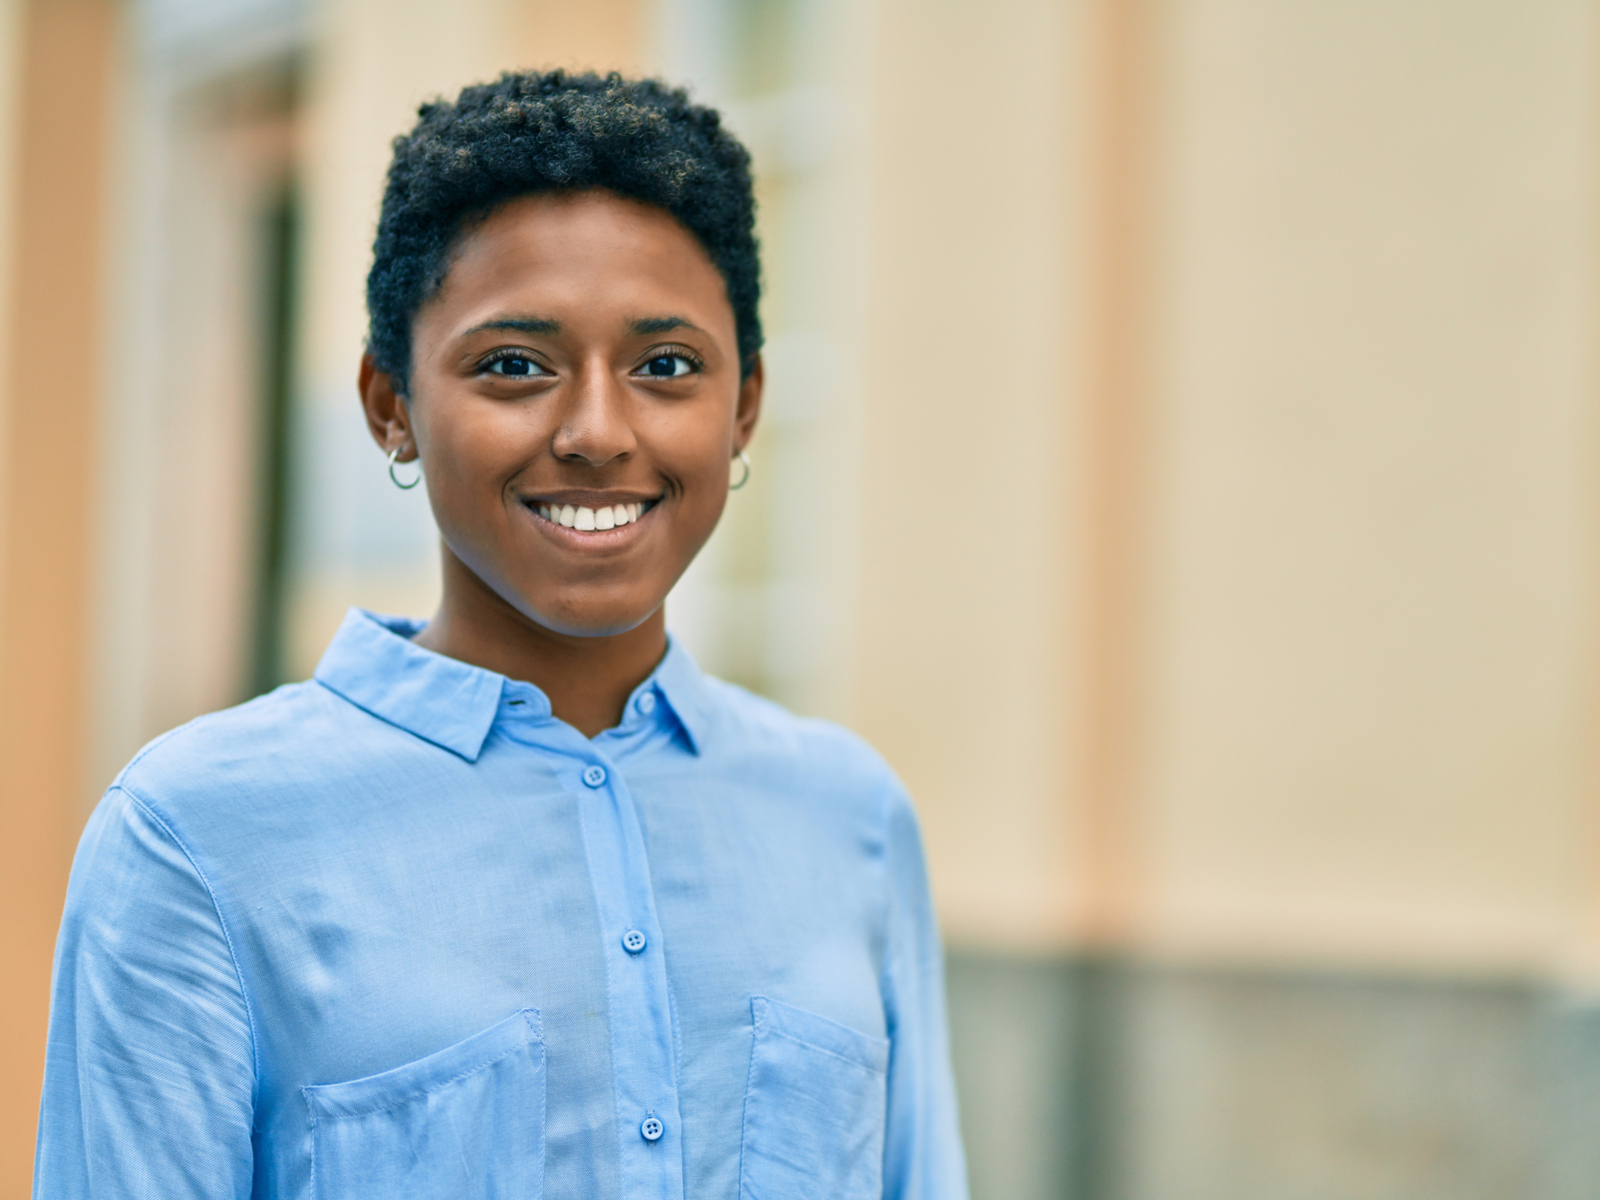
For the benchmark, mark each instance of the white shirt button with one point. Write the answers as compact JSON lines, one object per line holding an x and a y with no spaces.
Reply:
{"x":646,"y":703}
{"x":633,"y":941}
{"x":594,"y":776}
{"x":652,"y":1129}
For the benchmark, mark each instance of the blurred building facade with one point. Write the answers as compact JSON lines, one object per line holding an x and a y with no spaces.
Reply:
{"x":1181,"y":461}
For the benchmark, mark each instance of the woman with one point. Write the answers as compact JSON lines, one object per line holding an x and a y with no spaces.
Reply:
{"x":517,"y":902}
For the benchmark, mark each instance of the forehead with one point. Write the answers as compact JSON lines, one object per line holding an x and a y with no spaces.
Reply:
{"x":573,"y":253}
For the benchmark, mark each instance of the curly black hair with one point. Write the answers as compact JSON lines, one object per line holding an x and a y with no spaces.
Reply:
{"x":530,"y":132}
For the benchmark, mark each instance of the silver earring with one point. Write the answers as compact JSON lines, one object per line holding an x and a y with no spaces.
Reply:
{"x":405,"y":487}
{"x":745,"y":478}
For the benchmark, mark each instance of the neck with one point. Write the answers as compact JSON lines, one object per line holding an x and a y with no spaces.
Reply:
{"x":588,"y":679}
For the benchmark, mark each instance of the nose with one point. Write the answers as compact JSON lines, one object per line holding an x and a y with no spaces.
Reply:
{"x":594,"y":427}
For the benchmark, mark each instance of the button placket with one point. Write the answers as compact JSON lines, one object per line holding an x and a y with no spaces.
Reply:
{"x":643,"y":1050}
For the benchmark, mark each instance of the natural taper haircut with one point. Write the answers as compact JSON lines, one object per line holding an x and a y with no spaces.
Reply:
{"x":531,"y":132}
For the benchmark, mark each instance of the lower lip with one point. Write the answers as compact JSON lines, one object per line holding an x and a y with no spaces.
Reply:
{"x":591,"y":539}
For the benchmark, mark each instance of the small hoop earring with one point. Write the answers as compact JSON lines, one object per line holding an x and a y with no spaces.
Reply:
{"x":745,"y":478}
{"x":404,"y":487}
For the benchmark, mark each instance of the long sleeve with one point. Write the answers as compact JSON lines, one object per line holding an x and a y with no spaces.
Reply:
{"x":150,"y":1072}
{"x":922,"y":1142}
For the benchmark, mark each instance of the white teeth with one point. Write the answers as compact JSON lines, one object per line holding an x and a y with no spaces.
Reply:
{"x":577,"y":517}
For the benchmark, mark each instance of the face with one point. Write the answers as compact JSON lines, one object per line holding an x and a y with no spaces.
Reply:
{"x":576,"y":401}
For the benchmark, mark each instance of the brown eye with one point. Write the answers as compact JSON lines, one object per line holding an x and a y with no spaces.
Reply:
{"x":515,"y":365}
{"x":668,"y":366}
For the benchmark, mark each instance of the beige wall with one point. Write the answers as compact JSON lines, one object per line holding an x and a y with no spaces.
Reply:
{"x":1366,"y":695}
{"x":1230,"y":460}
{"x":967,"y":674}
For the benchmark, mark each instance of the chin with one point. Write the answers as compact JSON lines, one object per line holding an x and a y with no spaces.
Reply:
{"x":602,"y":620}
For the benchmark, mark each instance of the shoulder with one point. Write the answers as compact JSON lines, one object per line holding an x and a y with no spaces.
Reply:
{"x":243,"y":755}
{"x":824,"y":775}
{"x":818,"y":754}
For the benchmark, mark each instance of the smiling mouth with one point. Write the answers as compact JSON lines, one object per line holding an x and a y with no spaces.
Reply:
{"x":585,"y":519}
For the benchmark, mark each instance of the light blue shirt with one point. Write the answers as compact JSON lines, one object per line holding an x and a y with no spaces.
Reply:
{"x":400,"y":932}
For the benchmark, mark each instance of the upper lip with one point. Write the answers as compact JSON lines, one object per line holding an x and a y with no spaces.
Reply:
{"x":591,"y":498}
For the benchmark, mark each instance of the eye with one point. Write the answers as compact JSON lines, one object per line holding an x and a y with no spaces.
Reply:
{"x":669,"y":366}
{"x":516,"y":366}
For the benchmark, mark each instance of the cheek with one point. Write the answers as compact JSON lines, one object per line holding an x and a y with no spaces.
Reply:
{"x":705,"y":498}
{"x":475,"y":452}
{"x":692,"y":444}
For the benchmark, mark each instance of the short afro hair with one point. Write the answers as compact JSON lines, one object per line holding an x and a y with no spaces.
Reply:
{"x":531,"y":132}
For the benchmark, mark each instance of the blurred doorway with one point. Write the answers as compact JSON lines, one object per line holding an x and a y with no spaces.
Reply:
{"x":199,"y":423}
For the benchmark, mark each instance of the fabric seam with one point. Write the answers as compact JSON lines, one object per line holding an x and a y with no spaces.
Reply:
{"x":227,"y":938}
{"x":155,"y":744}
{"x":749,"y":1087}
{"x":821,"y":1050}
{"x":443,"y":1083}
{"x":883,"y":1070}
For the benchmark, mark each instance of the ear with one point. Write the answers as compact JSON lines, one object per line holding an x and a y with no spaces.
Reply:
{"x":388,"y":419}
{"x":749,"y":406}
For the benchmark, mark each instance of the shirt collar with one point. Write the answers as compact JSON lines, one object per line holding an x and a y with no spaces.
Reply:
{"x":373,"y":663}
{"x":679,"y":681}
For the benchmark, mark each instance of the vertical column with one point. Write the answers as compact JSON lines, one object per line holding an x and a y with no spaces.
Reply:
{"x":51,"y":377}
{"x":1108,"y":460}
{"x":11,"y":15}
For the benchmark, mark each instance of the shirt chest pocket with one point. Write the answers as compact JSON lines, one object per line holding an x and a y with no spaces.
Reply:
{"x":814,"y":1108}
{"x":467,"y":1121}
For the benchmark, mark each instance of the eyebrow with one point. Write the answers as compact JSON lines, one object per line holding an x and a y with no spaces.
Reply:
{"x":545,"y":327}
{"x":649,"y":325}
{"x":539,"y":325}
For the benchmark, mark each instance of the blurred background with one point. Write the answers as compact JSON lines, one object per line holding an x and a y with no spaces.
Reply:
{"x":1182,"y":461}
